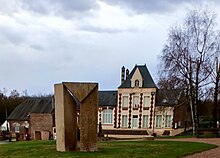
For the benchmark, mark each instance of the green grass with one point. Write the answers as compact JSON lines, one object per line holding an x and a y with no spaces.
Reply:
{"x":122,"y":149}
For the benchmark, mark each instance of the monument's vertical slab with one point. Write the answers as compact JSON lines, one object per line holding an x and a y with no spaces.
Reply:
{"x":88,"y":122}
{"x":70,"y":121}
{"x":66,"y":120}
{"x":59,"y":117}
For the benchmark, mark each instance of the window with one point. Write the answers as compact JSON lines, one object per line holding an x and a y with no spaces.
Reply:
{"x":135,"y":101}
{"x":145,"y":121}
{"x":135,"y":121}
{"x":158,"y":121}
{"x":168,"y":121}
{"x":17,"y":127}
{"x":146,"y":101}
{"x":125,"y":101}
{"x":124,"y":120}
{"x":107,"y":116}
{"x":136,"y":83}
{"x":179,"y":123}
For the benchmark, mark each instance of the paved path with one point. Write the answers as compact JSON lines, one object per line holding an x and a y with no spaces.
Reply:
{"x":213,"y":153}
{"x":4,"y":142}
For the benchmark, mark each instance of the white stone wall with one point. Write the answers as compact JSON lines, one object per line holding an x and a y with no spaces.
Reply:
{"x":131,"y":92}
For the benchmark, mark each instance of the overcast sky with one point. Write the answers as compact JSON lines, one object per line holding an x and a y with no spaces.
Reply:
{"x":45,"y":42}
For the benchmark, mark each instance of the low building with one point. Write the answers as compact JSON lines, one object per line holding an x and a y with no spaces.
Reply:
{"x":34,"y":118}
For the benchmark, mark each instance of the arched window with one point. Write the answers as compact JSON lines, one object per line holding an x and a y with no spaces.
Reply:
{"x":136,"y":84}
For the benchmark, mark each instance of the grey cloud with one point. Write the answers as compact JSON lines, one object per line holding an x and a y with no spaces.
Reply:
{"x":9,"y":7}
{"x":37,"y":47}
{"x":12,"y":35}
{"x":39,"y":6}
{"x":100,"y":29}
{"x":149,"y":6}
{"x":66,"y":8}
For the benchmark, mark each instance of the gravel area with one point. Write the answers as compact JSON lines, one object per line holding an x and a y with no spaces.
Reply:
{"x":213,"y":153}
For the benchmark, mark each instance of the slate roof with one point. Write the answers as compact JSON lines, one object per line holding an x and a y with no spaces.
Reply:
{"x":36,"y":105}
{"x":45,"y":105}
{"x":167,"y":97}
{"x":108,"y":98}
{"x":148,"y":81}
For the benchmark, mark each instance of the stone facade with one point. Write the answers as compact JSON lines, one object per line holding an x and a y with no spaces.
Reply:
{"x":131,"y":112}
{"x":138,"y":108}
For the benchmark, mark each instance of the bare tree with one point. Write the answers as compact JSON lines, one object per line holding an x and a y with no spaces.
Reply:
{"x":14,"y":94}
{"x":188,"y":54}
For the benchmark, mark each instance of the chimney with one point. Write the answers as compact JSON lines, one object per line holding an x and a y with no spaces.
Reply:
{"x":127,"y":73}
{"x":122,"y":74}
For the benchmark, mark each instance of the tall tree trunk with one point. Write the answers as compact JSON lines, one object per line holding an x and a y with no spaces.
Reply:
{"x":215,"y":102}
{"x":196,"y":94}
{"x":192,"y":115}
{"x":191,"y":97}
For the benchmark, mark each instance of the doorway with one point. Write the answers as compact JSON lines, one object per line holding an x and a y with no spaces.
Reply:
{"x":37,"y":135}
{"x":135,"y":122}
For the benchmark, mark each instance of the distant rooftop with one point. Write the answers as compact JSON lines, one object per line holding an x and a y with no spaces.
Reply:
{"x":166,"y":97}
{"x":33,"y":105}
{"x":108,"y":98}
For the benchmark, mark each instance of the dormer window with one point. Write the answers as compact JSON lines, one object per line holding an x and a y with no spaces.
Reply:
{"x":136,"y":84}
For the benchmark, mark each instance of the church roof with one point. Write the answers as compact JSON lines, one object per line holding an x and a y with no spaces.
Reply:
{"x":148,"y":81}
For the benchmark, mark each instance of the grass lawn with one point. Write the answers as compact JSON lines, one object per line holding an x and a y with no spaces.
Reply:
{"x":122,"y":149}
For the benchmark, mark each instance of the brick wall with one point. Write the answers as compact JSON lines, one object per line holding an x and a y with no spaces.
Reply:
{"x":41,"y":122}
{"x":22,"y":130}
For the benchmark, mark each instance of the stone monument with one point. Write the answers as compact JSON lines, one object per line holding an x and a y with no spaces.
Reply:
{"x":67,"y":96}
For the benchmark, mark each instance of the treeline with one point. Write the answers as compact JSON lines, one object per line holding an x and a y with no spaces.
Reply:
{"x":9,"y":102}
